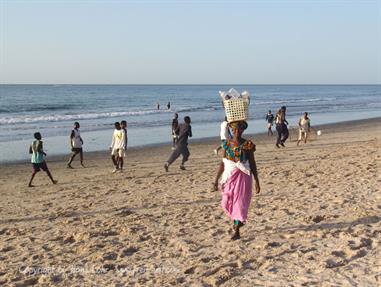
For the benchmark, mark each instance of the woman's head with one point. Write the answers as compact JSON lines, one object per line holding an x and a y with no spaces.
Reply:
{"x":238,"y":128}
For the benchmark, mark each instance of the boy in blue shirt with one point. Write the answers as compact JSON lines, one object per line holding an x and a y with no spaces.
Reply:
{"x":37,"y":159}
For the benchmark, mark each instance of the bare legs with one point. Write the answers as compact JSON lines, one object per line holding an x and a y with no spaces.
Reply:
{"x":34,"y":174}
{"x":73,"y":156}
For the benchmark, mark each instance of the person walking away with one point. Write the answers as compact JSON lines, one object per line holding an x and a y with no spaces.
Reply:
{"x":281,"y":127}
{"x":175,"y":124}
{"x":237,"y":168}
{"x":116,"y":145}
{"x":38,"y":162}
{"x":270,"y":122}
{"x":304,"y":128}
{"x":184,"y":131}
{"x":225,"y":134}
{"x":76,"y":145}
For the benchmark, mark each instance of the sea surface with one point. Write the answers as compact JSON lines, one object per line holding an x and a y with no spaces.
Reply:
{"x":52,"y":110}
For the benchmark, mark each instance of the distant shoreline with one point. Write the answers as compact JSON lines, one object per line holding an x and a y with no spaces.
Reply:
{"x":258,"y":137}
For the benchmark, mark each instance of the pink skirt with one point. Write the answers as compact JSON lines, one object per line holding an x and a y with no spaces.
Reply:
{"x":236,"y":195}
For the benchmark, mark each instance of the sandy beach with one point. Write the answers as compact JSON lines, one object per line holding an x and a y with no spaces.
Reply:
{"x":316,"y":222}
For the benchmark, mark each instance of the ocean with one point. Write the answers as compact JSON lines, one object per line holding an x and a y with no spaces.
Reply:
{"x":52,"y":110}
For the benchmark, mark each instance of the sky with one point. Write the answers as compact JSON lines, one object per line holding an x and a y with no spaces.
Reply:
{"x":190,"y":42}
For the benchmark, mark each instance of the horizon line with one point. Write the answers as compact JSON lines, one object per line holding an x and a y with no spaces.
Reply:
{"x":193,"y":84}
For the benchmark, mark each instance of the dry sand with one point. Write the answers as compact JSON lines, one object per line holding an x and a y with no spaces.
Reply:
{"x":316,"y":222}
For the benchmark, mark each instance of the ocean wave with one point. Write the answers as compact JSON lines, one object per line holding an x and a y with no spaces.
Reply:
{"x":291,"y":101}
{"x":65,"y":117}
{"x":35,"y":108}
{"x":27,"y":119}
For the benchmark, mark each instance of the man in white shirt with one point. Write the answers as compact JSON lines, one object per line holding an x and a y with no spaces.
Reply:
{"x":224,"y":134}
{"x":76,"y":143}
{"x":117,"y":146}
{"x":304,"y":128}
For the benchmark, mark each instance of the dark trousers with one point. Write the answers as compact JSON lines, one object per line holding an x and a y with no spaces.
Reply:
{"x":282,"y":131}
{"x":180,"y":150}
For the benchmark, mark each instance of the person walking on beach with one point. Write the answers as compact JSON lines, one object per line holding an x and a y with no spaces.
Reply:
{"x":175,"y":124}
{"x":270,"y":122}
{"x":281,"y":127}
{"x":76,"y":145}
{"x":225,"y":134}
{"x":235,"y":171}
{"x":123,"y":149}
{"x":184,"y":131}
{"x":37,"y":160}
{"x":116,"y":146}
{"x":304,"y":128}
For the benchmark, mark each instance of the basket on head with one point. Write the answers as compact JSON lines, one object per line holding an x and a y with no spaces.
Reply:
{"x":236,"y":105}
{"x":236,"y":109}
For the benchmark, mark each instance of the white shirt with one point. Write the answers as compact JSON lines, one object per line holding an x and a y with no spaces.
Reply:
{"x":304,"y":123}
{"x":118,"y":141}
{"x":76,"y":140}
{"x":224,"y":133}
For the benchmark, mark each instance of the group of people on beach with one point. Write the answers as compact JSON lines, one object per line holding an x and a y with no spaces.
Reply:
{"x":236,"y":170}
{"x":281,"y":124}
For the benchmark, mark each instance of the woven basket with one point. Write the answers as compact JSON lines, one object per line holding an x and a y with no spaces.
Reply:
{"x":236,"y":110}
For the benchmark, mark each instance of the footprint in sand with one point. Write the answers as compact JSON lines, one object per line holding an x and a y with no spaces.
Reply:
{"x":129,"y":251}
{"x":337,"y":262}
{"x":110,"y":256}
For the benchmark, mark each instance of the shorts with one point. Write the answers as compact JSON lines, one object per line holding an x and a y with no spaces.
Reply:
{"x":38,"y":166}
{"x":119,"y":152}
{"x":76,"y":149}
{"x":302,"y":134}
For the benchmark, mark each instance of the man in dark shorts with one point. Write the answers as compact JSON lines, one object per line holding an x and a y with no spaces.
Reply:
{"x":184,"y":131}
{"x":37,"y":160}
{"x":76,"y":143}
{"x":281,"y":127}
{"x":270,"y":122}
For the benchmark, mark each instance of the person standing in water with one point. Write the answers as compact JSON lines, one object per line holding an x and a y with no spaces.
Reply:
{"x":304,"y":128}
{"x":184,"y":131}
{"x":175,"y":124}
{"x":169,"y":105}
{"x":236,"y":171}
{"x":270,"y":122}
{"x":157,"y":106}
{"x":37,"y":151}
{"x":76,"y":145}
{"x":281,"y":127}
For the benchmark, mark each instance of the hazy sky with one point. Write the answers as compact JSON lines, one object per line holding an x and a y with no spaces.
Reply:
{"x":195,"y":42}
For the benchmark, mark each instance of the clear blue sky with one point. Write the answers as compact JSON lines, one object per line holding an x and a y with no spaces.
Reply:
{"x":190,"y":42}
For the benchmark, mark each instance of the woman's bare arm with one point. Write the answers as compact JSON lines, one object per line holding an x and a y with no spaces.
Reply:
{"x":253,"y":168}
{"x":219,"y":173}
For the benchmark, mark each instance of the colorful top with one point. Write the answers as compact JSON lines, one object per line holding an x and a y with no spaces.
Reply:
{"x":238,"y":153}
{"x":37,"y":155}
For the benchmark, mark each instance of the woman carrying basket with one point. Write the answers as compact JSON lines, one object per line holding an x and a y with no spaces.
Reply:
{"x":235,"y":172}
